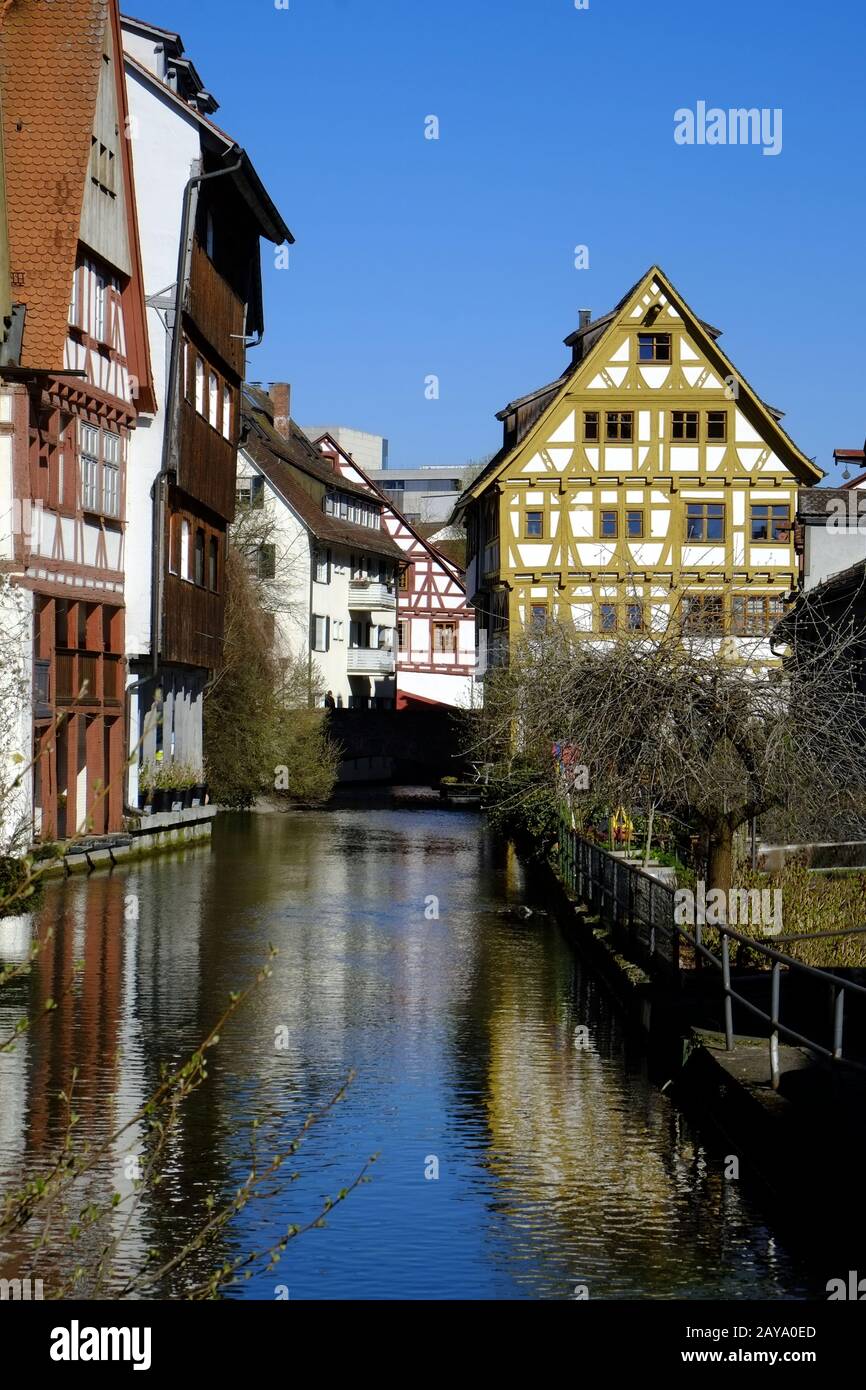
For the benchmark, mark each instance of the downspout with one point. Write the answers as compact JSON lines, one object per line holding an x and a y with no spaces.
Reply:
{"x":171,"y":436}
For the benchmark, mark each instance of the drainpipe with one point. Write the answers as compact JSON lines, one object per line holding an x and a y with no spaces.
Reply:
{"x":171,"y":435}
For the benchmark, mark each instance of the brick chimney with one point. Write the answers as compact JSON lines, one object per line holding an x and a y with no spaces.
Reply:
{"x":280,"y":393}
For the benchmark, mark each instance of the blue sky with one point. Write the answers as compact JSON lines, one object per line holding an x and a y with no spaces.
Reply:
{"x":455,"y":257}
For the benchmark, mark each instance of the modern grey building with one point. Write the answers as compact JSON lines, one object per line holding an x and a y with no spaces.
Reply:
{"x":421,"y":494}
{"x":370,"y":451}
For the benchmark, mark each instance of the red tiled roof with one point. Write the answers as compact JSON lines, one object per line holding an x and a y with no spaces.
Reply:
{"x":50,"y":57}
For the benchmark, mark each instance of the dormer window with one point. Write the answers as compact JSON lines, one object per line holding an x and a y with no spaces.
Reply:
{"x":654,"y":347}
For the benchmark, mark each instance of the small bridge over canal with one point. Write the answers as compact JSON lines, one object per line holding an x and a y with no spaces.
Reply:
{"x":420,"y":744}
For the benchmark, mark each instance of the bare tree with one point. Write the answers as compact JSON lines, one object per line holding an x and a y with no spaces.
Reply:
{"x":678,"y":724}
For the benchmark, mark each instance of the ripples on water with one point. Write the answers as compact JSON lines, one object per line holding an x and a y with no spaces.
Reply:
{"x":558,"y":1165}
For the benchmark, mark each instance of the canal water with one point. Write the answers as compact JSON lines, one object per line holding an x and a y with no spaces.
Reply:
{"x":523,"y":1152}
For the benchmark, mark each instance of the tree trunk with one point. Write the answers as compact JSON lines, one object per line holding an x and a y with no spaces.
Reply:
{"x":649,"y":835}
{"x":720,"y":863}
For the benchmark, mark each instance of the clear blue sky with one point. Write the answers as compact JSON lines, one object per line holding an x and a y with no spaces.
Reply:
{"x":456,"y":257}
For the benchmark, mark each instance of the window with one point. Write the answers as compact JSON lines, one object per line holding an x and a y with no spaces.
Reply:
{"x":654,"y":347}
{"x":717,"y":425}
{"x":534,"y":525}
{"x":75,"y":301}
{"x":227,"y":412}
{"x":100,"y":290}
{"x":634,"y":616}
{"x":250,"y":492}
{"x":403,"y":579}
{"x":445,"y":637}
{"x":266,"y":562}
{"x":634,"y":523}
{"x":199,"y":385}
{"x":705,"y":521}
{"x":213,"y":565}
{"x":337,"y":630}
{"x":213,"y":399}
{"x":89,"y":465}
{"x":538,"y":616}
{"x":607,"y":617}
{"x":755,"y":616}
{"x":111,"y":474}
{"x":199,"y":557}
{"x":172,"y":543}
{"x":403,"y":635}
{"x":184,"y":549}
{"x":590,"y":425}
{"x":609,"y":524}
{"x":703,"y":615}
{"x":771,"y":523}
{"x":320,"y":634}
{"x":619,"y":424}
{"x":323,"y":566}
{"x":684,"y":424}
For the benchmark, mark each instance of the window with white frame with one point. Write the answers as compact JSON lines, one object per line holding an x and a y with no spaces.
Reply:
{"x":89,"y":465}
{"x":199,"y":385}
{"x":227,"y":412}
{"x":323,"y":565}
{"x":213,"y":400}
{"x":111,"y":474}
{"x":320,"y":634}
{"x":75,"y":300}
{"x":100,"y":288}
{"x":184,"y":549}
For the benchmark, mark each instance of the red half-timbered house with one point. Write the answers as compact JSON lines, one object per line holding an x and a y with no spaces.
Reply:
{"x":74,"y":371}
{"x":436,"y":626}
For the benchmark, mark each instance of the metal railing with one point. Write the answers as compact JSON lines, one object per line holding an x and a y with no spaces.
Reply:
{"x":638,"y":904}
{"x":643,"y":908}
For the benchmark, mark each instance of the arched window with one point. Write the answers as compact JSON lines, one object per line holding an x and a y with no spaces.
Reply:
{"x":199,"y":557}
{"x":213,"y":565}
{"x":184,"y":549}
{"x":227,"y":412}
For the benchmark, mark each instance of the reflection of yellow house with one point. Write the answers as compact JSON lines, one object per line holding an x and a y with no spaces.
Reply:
{"x":648,"y":477}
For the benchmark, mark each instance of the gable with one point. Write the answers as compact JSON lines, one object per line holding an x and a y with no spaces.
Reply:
{"x":677,"y":367}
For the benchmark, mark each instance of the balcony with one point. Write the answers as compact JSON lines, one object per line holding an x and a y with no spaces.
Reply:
{"x":370,"y":661}
{"x":366,"y":594}
{"x":216,"y":310}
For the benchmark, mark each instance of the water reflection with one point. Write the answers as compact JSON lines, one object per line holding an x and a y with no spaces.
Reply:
{"x":483,"y":1050}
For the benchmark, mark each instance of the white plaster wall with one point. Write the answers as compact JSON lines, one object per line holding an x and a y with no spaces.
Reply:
{"x":829,"y":549}
{"x":165,"y":144}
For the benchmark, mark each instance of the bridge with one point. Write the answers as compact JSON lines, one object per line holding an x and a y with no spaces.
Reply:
{"x":408,"y":745}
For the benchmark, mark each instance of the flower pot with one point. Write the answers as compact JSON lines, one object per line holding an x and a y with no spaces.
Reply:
{"x":187,"y":797}
{"x":161,"y":800}
{"x":199,"y":793}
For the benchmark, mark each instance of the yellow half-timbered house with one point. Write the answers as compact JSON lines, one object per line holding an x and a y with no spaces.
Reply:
{"x":649,"y":482}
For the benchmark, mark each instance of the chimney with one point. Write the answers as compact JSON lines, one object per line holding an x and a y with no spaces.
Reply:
{"x":585,"y":318}
{"x":280,"y":393}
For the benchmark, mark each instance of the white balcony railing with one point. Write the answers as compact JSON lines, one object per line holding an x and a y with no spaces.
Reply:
{"x":370,"y":661}
{"x":370,"y":593}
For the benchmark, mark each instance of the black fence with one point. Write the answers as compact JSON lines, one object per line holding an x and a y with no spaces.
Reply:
{"x":639,"y":905}
{"x":642,"y":910}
